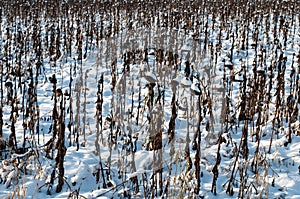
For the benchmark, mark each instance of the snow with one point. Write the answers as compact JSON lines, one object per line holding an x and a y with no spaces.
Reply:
{"x":281,"y":165}
{"x":186,"y":82}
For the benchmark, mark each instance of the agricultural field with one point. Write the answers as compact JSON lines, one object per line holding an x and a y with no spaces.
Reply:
{"x":159,"y":99}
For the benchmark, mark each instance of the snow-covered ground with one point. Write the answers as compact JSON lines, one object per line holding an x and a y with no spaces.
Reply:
{"x":221,"y":65}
